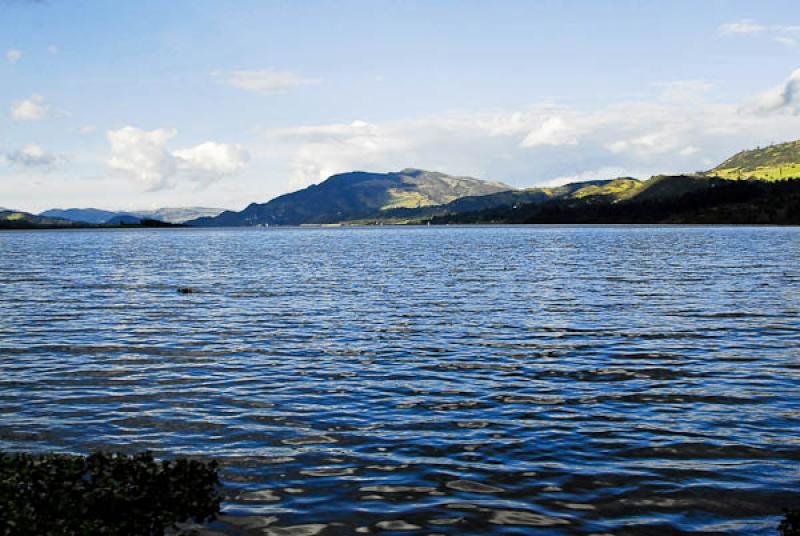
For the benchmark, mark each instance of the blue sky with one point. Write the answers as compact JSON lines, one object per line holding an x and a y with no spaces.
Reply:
{"x":220,"y":103}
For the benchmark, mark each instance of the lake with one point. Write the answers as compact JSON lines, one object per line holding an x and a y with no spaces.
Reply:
{"x":459,"y":380}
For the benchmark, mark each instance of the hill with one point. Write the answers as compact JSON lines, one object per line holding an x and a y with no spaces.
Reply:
{"x":666,"y":199}
{"x":357,"y":195}
{"x":14,"y":219}
{"x":99,"y":216}
{"x":775,"y":162}
{"x":623,"y":200}
{"x":85,"y":215}
{"x":611,"y":190}
{"x":177,"y":214}
{"x":124,"y":219}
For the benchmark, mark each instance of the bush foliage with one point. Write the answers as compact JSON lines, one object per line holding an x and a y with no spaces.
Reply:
{"x":108,"y":494}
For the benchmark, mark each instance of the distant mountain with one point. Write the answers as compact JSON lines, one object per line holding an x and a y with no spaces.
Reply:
{"x":780,"y":161}
{"x":124,"y":219}
{"x":98,"y":216}
{"x":85,"y":215}
{"x":357,"y":195}
{"x":178,"y":214}
{"x":14,"y":219}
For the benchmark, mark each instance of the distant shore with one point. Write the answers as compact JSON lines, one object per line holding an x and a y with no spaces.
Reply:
{"x":6,"y":225}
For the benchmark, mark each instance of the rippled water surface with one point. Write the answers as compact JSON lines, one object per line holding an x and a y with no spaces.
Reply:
{"x":527,"y":380}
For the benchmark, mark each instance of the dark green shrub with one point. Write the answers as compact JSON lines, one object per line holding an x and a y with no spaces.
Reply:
{"x":108,"y":494}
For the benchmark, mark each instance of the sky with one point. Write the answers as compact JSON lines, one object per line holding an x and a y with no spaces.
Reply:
{"x":146,"y":104}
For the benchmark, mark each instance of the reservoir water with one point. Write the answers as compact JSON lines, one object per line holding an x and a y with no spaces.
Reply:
{"x":460,"y":380}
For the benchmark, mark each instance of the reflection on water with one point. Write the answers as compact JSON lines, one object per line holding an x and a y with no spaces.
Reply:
{"x":432,"y":381}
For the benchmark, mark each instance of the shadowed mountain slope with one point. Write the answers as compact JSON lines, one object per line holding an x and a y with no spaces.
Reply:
{"x":677,"y":199}
{"x":357,"y":195}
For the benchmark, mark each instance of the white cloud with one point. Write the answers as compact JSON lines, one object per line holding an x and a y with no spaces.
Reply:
{"x":264,"y":80}
{"x":684,"y":131}
{"x":31,"y":109}
{"x":554,"y":131}
{"x":31,"y":155}
{"x":212,"y":159}
{"x":746,"y":27}
{"x":784,"y":34}
{"x":87,"y":129}
{"x":143,"y":156}
{"x":13,"y":55}
{"x":782,"y":98}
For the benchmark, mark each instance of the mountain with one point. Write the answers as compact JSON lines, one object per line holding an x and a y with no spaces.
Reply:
{"x":416,"y":196}
{"x":14,"y":219}
{"x":124,"y":219}
{"x":702,"y":197}
{"x":355,"y":196}
{"x":610,"y":190}
{"x":85,"y":215}
{"x":178,"y":214}
{"x":98,"y":216}
{"x":780,"y":161}
{"x":684,"y":199}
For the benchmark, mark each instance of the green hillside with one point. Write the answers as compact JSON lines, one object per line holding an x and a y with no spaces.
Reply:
{"x":775,"y":162}
{"x":612,"y":190}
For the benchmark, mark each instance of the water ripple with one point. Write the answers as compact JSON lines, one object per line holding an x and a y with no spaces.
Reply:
{"x":538,"y":380}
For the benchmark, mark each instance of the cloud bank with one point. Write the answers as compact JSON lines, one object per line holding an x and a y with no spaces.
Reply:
{"x":684,"y":130}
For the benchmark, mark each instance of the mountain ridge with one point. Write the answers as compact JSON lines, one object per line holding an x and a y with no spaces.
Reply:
{"x":356,"y":195}
{"x":414,"y":195}
{"x":319,"y":204}
{"x":101,"y":216}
